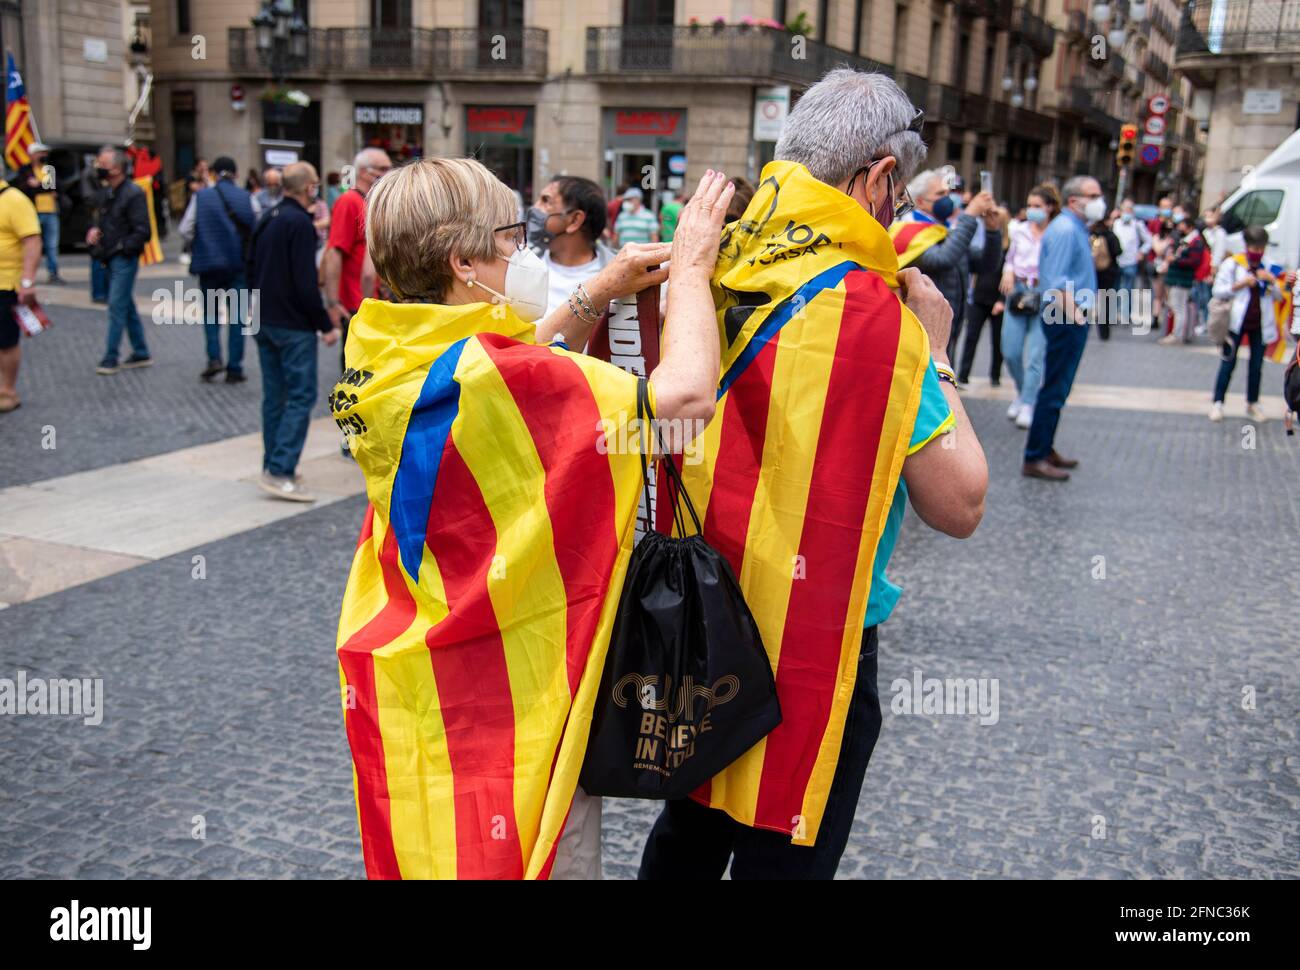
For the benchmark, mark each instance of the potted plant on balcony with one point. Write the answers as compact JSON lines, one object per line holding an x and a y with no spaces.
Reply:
{"x":283,"y":106}
{"x":718,"y":24}
{"x":800,"y":25}
{"x":694,"y":24}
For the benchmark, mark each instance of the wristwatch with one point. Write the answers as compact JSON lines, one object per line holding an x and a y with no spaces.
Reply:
{"x":27,"y":284}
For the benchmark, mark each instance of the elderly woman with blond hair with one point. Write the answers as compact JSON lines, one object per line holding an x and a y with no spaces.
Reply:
{"x":504,"y":478}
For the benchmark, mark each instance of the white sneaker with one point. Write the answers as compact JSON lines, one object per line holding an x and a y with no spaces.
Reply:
{"x":1216,"y":411}
{"x":1014,"y":411}
{"x":1025,"y":417}
{"x":289,"y":489}
{"x":1255,"y":414}
{"x":1168,"y":340}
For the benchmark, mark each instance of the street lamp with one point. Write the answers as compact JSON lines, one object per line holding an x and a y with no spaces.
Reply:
{"x":281,"y":39}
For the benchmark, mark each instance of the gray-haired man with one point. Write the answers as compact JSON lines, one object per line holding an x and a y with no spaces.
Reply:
{"x":845,"y":147}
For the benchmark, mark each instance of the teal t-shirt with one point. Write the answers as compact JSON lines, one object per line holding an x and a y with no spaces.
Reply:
{"x":933,"y":417}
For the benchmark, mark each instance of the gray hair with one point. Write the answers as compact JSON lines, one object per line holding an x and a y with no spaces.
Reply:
{"x":120,"y":158}
{"x":919,"y":186}
{"x":1074,"y":186}
{"x":366,"y":156}
{"x":847,"y":119}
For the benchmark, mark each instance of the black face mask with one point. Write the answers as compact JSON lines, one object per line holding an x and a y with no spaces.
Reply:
{"x":102,"y":174}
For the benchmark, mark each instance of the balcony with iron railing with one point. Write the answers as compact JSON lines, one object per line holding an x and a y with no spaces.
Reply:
{"x":1157,"y":68}
{"x":1264,"y":27}
{"x":1029,"y":28}
{"x":409,"y":53}
{"x":987,"y":114}
{"x":1089,"y":105}
{"x":731,"y":53}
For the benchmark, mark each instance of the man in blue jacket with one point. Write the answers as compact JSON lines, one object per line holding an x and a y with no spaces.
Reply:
{"x":217,"y":224}
{"x":289,"y":316}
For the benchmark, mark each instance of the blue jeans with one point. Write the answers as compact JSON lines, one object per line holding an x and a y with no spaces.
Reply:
{"x":1228,"y":363}
{"x":1201,"y":297}
{"x":50,"y":240}
{"x":121,"y":307}
{"x":98,"y":281}
{"x":1023,"y":350}
{"x":210,"y":283}
{"x":288,"y":359}
{"x":1065,"y":343}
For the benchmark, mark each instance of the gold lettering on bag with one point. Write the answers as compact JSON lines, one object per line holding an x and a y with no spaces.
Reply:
{"x":678,"y":726}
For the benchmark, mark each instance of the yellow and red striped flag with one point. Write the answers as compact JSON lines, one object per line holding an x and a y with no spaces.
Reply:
{"x":1275,"y":349}
{"x":913,"y":236}
{"x":821,"y":381}
{"x":152,"y":252}
{"x":503,"y":496}
{"x":19,"y":127}
{"x":1283,"y":310}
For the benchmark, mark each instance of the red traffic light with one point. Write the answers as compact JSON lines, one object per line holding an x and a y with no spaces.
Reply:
{"x":1128,"y":133}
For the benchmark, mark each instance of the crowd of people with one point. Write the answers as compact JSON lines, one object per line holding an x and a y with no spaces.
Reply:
{"x":417,"y":259}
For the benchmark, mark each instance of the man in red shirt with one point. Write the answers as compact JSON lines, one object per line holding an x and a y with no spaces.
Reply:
{"x":345,"y":253}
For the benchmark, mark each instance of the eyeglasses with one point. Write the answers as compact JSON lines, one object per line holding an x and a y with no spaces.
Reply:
{"x":905,"y":204}
{"x":520,"y":230}
{"x":902,"y":206}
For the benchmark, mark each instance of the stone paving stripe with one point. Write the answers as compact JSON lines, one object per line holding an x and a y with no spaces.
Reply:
{"x":155,"y":507}
{"x":1166,"y":400}
{"x":30,"y":568}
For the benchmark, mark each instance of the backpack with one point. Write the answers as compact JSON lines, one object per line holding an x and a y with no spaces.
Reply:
{"x":1100,"y":252}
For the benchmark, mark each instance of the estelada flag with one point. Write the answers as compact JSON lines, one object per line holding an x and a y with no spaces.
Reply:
{"x":152,"y":252}
{"x":19,"y":133}
{"x":913,"y":236}
{"x":504,"y":480}
{"x":793,"y":478}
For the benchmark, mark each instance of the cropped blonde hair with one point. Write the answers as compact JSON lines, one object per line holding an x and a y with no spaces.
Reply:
{"x":418,"y":215}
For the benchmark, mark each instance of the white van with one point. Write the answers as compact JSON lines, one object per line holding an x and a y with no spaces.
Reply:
{"x":1270,"y":197}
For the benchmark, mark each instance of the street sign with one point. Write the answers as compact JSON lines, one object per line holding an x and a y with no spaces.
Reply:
{"x":1158,"y":104}
{"x":1150,"y":154}
{"x":1153,"y":139}
{"x":1155,"y":125}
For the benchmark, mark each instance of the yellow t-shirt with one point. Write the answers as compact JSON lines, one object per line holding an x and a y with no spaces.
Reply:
{"x":17,"y":222}
{"x":47,"y":200}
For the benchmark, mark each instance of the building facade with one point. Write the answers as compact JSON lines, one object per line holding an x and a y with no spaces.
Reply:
{"x":72,"y":55}
{"x":1245,"y":60}
{"x":647,"y":92}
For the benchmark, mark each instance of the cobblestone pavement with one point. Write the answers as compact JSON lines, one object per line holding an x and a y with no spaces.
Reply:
{"x":1125,"y":615}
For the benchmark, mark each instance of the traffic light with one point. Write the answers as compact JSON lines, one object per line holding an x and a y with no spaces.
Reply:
{"x":1127,"y":146}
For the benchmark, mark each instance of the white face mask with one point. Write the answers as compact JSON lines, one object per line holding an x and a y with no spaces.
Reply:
{"x":528,"y":282}
{"x":1095,"y":210}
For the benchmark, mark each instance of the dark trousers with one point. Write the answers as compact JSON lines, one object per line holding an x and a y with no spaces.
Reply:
{"x":122,"y":314}
{"x":227,"y":288}
{"x":288,"y":359}
{"x":690,"y":841}
{"x":1229,"y":363}
{"x":954,"y":335}
{"x":976,"y":314}
{"x":1065,"y":343}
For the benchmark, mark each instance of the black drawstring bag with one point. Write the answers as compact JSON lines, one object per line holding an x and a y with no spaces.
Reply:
{"x":687,"y":686}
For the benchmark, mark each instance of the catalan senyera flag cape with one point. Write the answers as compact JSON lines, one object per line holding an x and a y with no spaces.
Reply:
{"x":913,"y":236}
{"x":793,"y":479}
{"x":483,"y":589}
{"x":19,"y":129}
{"x":1275,"y":349}
{"x":152,"y":252}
